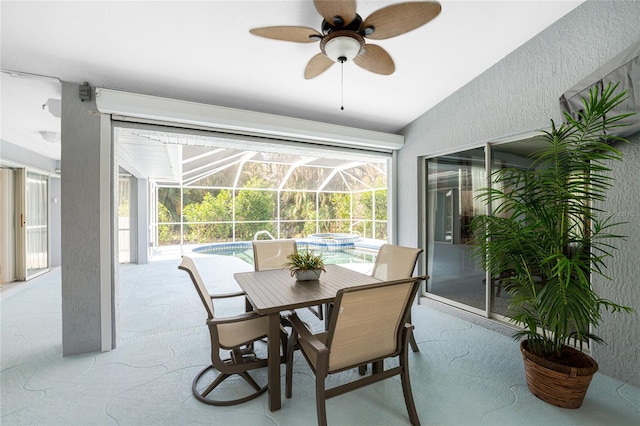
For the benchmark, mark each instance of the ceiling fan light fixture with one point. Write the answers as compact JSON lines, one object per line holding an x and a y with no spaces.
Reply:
{"x":342,"y":46}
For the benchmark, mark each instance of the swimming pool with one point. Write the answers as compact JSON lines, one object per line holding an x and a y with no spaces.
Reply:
{"x":244,"y":250}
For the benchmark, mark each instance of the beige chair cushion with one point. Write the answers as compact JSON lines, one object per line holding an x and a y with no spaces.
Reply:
{"x":395,"y":262}
{"x":367,"y":325}
{"x":272,"y":254}
{"x":238,"y":333}
{"x":189,"y":265}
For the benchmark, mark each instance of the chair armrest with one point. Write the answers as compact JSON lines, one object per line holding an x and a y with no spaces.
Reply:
{"x":299,"y":327}
{"x":236,"y":318}
{"x":226,"y":295}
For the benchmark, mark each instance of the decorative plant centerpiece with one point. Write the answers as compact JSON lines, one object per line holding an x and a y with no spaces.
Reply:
{"x":305,"y":265}
{"x":545,"y":240}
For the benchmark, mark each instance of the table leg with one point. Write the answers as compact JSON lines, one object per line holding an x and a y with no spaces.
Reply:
{"x":273,"y":338}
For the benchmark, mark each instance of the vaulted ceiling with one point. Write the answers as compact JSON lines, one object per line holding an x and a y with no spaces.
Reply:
{"x":202,"y":51}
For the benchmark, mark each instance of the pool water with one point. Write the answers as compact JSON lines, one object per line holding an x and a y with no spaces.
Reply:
{"x":332,"y":256}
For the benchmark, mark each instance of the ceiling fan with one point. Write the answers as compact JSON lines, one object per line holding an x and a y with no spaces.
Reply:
{"x":344,"y":32}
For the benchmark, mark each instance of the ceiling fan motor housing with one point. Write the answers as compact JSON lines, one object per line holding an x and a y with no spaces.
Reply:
{"x":338,"y":24}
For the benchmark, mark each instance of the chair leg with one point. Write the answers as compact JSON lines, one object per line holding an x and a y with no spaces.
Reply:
{"x":291,"y":346}
{"x":412,"y":339}
{"x":249,"y":380}
{"x":318,"y":312}
{"x":406,"y":386}
{"x":414,"y":345}
{"x":284,"y":342}
{"x":321,"y":401}
{"x":498,"y":288}
{"x":327,"y":315}
{"x":203,"y":396}
{"x":221,"y":378}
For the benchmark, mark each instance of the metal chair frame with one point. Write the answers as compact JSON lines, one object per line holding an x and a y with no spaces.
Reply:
{"x":236,"y":334}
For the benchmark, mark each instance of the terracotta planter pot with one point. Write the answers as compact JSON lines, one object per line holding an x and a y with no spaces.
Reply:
{"x":308,"y":274}
{"x":558,"y":384}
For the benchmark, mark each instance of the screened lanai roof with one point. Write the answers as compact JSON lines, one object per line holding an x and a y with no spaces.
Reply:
{"x":199,"y":160}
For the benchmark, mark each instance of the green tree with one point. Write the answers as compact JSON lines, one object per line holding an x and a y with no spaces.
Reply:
{"x":364,"y":210}
{"x":170,"y":199}
{"x":210,"y":209}
{"x":254,"y":205}
{"x":298,"y":206}
{"x":335,"y":209}
{"x":310,"y":224}
{"x":165,"y":236}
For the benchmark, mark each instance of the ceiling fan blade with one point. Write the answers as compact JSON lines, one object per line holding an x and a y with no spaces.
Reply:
{"x":330,"y":9}
{"x":399,"y":18}
{"x":317,"y":65}
{"x":286,"y":33}
{"x":375,"y":59}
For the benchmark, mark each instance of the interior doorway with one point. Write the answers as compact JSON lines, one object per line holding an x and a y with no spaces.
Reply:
{"x":24,"y":221}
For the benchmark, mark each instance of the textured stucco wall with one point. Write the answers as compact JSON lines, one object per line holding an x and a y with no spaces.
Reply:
{"x":620,"y":356}
{"x":520,"y":94}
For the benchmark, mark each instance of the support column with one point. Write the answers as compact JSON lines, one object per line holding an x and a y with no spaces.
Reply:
{"x":89,"y":273}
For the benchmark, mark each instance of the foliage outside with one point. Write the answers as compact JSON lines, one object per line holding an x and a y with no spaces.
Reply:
{"x":252,"y":207}
{"x":213,"y":210}
{"x":165,"y":235}
{"x":208,"y":216}
{"x":546,"y":237}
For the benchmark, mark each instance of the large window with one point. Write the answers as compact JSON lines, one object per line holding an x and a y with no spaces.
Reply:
{"x":210,"y":189}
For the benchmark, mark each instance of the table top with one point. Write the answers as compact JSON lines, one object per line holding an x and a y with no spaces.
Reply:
{"x":276,"y":290}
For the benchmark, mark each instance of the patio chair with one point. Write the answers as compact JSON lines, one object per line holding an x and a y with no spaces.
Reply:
{"x":393,"y":263}
{"x":356,"y":338}
{"x":235,"y":334}
{"x":272,"y":254}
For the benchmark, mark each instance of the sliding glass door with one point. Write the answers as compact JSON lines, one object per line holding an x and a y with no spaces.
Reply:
{"x":451,"y":184}
{"x":124,"y":218}
{"x":32,"y":243}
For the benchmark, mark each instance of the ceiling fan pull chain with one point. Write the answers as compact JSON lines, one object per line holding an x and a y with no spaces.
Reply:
{"x":342,"y":60}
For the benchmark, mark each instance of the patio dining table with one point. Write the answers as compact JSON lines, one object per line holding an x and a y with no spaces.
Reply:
{"x":272,"y":292}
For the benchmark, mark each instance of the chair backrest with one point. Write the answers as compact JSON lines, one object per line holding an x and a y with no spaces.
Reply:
{"x":367,"y":321}
{"x":272,"y":254}
{"x":189,"y":265}
{"x":395,"y":262}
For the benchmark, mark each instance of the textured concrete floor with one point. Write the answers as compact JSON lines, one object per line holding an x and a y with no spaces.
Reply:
{"x":463,"y":375}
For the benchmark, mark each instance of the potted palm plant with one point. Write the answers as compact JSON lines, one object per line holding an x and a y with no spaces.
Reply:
{"x":544,"y":241}
{"x":305,"y":265}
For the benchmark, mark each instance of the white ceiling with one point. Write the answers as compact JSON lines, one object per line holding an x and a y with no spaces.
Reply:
{"x":202,"y":51}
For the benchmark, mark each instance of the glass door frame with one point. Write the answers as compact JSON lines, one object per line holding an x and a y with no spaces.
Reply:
{"x":519,"y":141}
{"x":24,"y":267}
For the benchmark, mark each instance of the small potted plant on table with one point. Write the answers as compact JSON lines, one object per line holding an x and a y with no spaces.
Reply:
{"x":305,"y":265}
